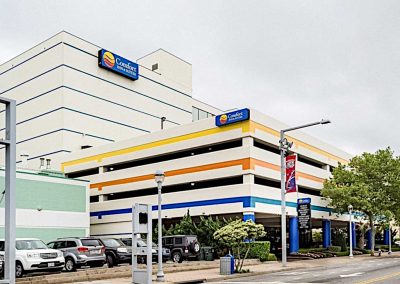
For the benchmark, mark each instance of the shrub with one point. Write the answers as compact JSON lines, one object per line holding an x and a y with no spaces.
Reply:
{"x":272,"y":257}
{"x":311,"y":250}
{"x":259,"y":250}
{"x":335,"y":248}
{"x":342,"y":253}
{"x":364,"y":251}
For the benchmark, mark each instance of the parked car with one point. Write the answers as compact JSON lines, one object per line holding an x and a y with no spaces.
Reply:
{"x":182,"y":247}
{"x":116,"y":251}
{"x":142,"y":243}
{"x":80,"y":252}
{"x":2,"y":264}
{"x":33,"y":255}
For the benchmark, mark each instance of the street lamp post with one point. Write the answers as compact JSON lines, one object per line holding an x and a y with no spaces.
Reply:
{"x":159,"y":178}
{"x":351,"y":231}
{"x":284,"y":148}
{"x":390,"y":241}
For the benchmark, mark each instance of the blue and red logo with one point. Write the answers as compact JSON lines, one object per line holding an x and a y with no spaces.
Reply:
{"x":232,"y":117}
{"x":109,"y":59}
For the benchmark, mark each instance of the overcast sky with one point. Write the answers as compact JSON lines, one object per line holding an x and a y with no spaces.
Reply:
{"x":298,"y":61}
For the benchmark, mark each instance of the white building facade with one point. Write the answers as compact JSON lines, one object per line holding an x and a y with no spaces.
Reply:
{"x":65,"y":102}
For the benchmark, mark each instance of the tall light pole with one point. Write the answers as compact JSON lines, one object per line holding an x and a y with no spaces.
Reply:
{"x":284,"y":148}
{"x":159,"y":178}
{"x":390,"y":240}
{"x":350,"y":207}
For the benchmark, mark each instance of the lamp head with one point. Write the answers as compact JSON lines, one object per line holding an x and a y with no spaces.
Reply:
{"x":325,"y":121}
{"x":159,"y":176}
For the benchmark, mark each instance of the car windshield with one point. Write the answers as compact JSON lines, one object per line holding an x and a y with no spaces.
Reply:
{"x":112,"y":243}
{"x":30,"y":245}
{"x":90,"y":242}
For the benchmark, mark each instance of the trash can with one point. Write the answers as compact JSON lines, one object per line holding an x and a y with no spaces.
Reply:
{"x":208,"y":253}
{"x":227,"y":265}
{"x":201,"y":254}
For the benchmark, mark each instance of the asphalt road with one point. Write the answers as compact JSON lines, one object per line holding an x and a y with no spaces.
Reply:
{"x":384,"y":270}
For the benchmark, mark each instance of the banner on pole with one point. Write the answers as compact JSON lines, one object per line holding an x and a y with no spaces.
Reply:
{"x":291,"y":174}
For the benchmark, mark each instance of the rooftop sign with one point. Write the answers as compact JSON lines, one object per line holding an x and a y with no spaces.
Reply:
{"x":118,"y":64}
{"x":232,"y":117}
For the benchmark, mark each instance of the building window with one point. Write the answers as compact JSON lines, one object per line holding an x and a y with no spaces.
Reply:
{"x":200,"y":114}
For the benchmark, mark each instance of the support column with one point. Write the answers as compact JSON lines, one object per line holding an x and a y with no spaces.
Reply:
{"x":353,"y":234}
{"x":368,"y":236}
{"x":249,"y":216}
{"x":386,"y":237}
{"x":326,"y":233}
{"x":293,"y":235}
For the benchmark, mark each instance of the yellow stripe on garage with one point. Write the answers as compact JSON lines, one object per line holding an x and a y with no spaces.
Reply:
{"x":247,"y":127}
{"x":99,"y":157}
{"x":255,"y":125}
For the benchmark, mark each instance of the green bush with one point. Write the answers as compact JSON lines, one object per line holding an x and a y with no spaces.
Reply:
{"x":272,"y":257}
{"x":364,"y":251}
{"x":259,"y":250}
{"x":342,"y":253}
{"x":311,"y":250}
{"x":335,"y":248}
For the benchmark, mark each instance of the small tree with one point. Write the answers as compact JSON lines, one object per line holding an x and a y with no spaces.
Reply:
{"x":370,"y":184}
{"x":233,"y":236}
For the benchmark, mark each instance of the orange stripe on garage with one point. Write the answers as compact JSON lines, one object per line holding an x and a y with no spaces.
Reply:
{"x":246,"y":163}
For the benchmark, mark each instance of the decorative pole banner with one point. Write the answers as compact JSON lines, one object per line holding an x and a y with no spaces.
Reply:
{"x":291,"y":173}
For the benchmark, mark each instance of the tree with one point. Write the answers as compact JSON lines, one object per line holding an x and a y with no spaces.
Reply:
{"x":234,"y":236}
{"x":370,"y":183}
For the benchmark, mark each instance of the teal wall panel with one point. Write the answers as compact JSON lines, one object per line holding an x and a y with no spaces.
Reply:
{"x":32,"y":194}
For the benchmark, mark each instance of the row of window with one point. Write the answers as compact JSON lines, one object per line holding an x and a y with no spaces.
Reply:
{"x":199,"y":114}
{"x":183,"y":187}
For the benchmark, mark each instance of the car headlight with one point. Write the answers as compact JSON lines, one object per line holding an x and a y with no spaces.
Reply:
{"x":32,"y":255}
{"x":122,"y":250}
{"x":59,"y":254}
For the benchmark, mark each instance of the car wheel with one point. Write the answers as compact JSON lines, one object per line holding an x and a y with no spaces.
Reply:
{"x":177,"y":257}
{"x":195,"y":247}
{"x":70,"y":264}
{"x":110,"y":261}
{"x":19,"y":270}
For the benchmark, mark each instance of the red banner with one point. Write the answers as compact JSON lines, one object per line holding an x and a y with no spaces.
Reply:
{"x":291,"y":174}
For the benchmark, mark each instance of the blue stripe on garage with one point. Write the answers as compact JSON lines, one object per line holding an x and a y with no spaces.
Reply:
{"x":247,"y":201}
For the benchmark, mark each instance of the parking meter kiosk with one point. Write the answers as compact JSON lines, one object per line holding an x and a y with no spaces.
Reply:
{"x":141,"y":228}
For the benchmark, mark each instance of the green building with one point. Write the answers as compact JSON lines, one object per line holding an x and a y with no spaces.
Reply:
{"x":49,"y":205}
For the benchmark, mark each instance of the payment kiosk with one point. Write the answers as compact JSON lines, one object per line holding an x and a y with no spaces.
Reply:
{"x":141,"y":228}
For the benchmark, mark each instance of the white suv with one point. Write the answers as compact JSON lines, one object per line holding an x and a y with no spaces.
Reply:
{"x":33,"y":255}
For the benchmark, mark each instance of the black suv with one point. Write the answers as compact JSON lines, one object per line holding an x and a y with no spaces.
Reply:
{"x":116,"y":251}
{"x":182,"y":247}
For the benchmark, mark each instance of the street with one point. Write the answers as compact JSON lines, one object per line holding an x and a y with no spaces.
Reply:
{"x":385,"y":270}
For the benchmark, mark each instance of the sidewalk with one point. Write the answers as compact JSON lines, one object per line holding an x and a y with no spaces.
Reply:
{"x":212,"y":274}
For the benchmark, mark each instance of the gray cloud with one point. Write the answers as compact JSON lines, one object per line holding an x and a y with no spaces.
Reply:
{"x":297,"y":61}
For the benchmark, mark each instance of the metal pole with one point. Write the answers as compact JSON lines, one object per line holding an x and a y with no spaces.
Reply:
{"x":10,"y":176}
{"x":160,"y":273}
{"x":162,"y":122}
{"x":390,"y":241}
{"x":283,"y":200}
{"x":351,"y":236}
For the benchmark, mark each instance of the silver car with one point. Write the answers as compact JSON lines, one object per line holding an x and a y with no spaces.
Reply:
{"x":80,"y":252}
